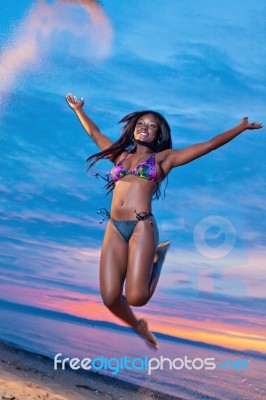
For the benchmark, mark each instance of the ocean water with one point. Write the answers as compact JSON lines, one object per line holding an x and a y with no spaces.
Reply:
{"x":50,"y":333}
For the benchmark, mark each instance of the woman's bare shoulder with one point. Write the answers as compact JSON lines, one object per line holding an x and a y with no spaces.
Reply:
{"x":161,"y":156}
{"x":120,"y":156}
{"x":163,"y":159}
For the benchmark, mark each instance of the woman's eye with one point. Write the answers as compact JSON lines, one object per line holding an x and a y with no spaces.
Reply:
{"x":139,"y":123}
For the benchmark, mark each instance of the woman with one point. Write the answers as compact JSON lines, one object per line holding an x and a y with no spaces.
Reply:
{"x":142,"y":159}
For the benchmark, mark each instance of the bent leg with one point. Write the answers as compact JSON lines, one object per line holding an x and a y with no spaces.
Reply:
{"x":113,"y":266}
{"x":142,"y":273}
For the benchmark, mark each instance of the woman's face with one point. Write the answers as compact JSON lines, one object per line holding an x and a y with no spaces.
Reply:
{"x":146,"y":128}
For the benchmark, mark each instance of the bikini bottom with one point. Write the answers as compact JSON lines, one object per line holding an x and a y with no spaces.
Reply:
{"x":126,"y":228}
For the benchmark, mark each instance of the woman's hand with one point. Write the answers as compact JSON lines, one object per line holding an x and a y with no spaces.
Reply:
{"x":73,"y":102}
{"x":247,"y":125}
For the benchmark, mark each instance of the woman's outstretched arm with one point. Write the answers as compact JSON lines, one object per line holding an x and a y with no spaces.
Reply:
{"x":174,"y":158}
{"x":92,"y":130}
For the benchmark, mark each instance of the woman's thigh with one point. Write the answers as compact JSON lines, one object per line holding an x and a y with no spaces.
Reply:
{"x":142,"y":248}
{"x":113,"y":264}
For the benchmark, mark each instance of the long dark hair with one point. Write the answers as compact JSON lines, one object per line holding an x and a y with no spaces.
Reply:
{"x":162,"y":142}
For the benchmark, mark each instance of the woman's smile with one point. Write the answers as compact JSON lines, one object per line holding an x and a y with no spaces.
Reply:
{"x":146,"y":127}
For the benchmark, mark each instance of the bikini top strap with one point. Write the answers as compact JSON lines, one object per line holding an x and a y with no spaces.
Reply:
{"x":122,"y":158}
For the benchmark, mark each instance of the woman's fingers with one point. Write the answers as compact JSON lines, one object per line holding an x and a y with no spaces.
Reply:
{"x":255,"y":125}
{"x":251,"y":125}
{"x":73,"y":101}
{"x":69,"y":98}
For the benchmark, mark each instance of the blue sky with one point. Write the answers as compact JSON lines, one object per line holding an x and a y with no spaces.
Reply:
{"x":202,"y":65}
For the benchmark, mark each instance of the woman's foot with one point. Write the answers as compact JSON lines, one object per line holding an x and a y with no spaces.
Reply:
{"x":143,"y":330}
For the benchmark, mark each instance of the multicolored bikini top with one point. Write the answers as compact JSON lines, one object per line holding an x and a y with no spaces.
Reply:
{"x":145,"y":170}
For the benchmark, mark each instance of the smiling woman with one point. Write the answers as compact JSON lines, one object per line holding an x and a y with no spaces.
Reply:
{"x":142,"y":158}
{"x":148,"y":129}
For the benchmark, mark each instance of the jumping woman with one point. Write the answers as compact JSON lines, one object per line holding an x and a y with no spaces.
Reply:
{"x":142,"y":158}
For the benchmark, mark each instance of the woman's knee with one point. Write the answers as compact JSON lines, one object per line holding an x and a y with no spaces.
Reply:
{"x":110,"y":299}
{"x":137,"y":299}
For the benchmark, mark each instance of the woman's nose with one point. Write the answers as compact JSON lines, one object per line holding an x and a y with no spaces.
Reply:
{"x":145,"y":127}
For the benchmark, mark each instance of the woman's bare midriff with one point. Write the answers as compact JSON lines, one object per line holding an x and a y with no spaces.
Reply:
{"x":130,"y":194}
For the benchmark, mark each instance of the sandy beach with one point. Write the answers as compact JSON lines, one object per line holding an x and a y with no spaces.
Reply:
{"x":25,"y":375}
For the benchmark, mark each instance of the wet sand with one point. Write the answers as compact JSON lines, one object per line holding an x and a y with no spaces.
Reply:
{"x":29,"y":376}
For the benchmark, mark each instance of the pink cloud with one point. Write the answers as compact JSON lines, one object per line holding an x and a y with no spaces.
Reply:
{"x":23,"y":50}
